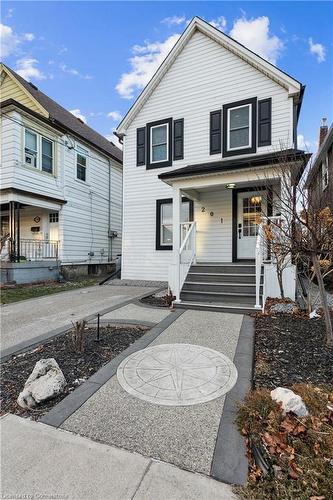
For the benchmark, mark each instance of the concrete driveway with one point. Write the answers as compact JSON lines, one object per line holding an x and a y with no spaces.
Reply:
{"x":25,"y":320}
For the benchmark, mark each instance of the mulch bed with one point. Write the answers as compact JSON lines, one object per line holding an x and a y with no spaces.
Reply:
{"x":76,"y":367}
{"x":156,"y":301}
{"x":291,"y":349}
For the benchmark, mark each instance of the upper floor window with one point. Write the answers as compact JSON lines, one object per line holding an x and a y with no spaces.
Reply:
{"x":324,"y":173}
{"x":159,"y":143}
{"x":81,"y":164}
{"x":38,"y":151}
{"x":239,"y":127}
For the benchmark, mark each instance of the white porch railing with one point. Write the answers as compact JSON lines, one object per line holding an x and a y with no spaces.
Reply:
{"x":263,"y":252}
{"x":187,"y":255}
{"x":39,"y":249}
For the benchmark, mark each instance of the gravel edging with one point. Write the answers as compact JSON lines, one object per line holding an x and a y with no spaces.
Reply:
{"x":63,"y":410}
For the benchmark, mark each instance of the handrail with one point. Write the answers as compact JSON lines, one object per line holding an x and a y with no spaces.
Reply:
{"x":37,"y":250}
{"x":188,"y":234}
{"x":259,"y":262}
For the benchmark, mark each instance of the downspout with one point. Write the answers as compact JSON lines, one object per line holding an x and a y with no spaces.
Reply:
{"x":109,"y":216}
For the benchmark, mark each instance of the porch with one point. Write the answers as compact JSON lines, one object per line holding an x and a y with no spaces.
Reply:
{"x":221,"y":259}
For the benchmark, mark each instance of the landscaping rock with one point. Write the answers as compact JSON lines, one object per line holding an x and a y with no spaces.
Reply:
{"x":45,"y":382}
{"x":284,"y":308}
{"x":290,"y":401}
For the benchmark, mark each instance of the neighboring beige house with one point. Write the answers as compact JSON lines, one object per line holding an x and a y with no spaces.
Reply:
{"x":320,"y":177}
{"x":200,"y":143}
{"x":61,"y":187}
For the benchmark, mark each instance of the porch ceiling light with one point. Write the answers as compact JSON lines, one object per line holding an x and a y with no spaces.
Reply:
{"x":232,"y":185}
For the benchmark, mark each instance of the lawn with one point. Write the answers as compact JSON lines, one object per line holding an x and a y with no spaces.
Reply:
{"x":23,"y":292}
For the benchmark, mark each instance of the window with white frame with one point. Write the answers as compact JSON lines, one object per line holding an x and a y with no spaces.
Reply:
{"x":324,"y":173}
{"x":38,"y":151}
{"x":81,"y":164}
{"x":239,"y":127}
{"x":164,"y":221}
{"x":159,"y":146}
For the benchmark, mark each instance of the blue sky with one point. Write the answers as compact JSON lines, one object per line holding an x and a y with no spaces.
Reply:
{"x":94,"y":57}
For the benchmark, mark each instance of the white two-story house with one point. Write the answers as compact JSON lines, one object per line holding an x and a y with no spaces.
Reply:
{"x":199,"y":144}
{"x":61,"y":187}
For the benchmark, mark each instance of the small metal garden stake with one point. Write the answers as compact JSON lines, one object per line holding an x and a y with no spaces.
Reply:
{"x":98,"y":339}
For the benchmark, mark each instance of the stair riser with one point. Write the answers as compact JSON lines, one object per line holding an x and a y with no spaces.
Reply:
{"x":203,"y":307}
{"x":212,"y":297}
{"x":224,"y":278}
{"x":224,"y":269}
{"x":228,"y":288}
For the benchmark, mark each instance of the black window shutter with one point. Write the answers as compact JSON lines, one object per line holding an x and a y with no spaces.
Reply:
{"x":141,"y":146}
{"x":178,"y":139}
{"x":265,"y":122}
{"x":215,"y":141}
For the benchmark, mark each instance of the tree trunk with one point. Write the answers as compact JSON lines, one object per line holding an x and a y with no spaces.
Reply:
{"x":280,"y":280}
{"x":323,"y":297}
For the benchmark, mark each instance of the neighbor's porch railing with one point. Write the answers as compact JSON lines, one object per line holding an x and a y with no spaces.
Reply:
{"x":187,"y":256}
{"x":263,"y":252}
{"x":39,"y":249}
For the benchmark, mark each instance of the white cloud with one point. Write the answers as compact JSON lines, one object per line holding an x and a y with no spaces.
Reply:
{"x":174,"y":20}
{"x":254,"y":34}
{"x":73,"y":72}
{"x":78,"y":114}
{"x":10,"y":13}
{"x":302,"y":143}
{"x":115,"y":116}
{"x":10,"y":41}
{"x":26,"y":67}
{"x":145,"y":61}
{"x":318,"y":50}
{"x":28,"y":37}
{"x":219,"y":22}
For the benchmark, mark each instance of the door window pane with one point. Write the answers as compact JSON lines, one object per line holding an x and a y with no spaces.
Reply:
{"x":251,"y":215}
{"x":47,"y":155}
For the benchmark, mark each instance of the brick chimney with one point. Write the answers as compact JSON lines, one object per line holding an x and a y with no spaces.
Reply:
{"x":323,"y":130}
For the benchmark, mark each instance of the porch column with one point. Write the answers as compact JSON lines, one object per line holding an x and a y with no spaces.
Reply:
{"x":176,"y":207}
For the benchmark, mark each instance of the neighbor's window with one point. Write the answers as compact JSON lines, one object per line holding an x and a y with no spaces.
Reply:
{"x":324,"y":173}
{"x":159,"y":143}
{"x":81,"y":164}
{"x":239,"y":127}
{"x":38,"y":151}
{"x":30,"y":148}
{"x":164,"y":221}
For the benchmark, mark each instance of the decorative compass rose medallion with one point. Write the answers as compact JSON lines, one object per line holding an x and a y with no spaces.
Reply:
{"x":177,"y":374}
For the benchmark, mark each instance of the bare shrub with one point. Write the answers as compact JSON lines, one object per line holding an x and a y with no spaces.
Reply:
{"x":78,"y":335}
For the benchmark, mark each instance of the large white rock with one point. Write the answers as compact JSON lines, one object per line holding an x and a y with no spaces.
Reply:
{"x":45,"y":382}
{"x":290,"y":401}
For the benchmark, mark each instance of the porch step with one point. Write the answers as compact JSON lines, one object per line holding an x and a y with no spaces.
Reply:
{"x":219,"y":286}
{"x":217,"y":307}
{"x":198,"y":276}
{"x":234,"y":268}
{"x":228,"y":297}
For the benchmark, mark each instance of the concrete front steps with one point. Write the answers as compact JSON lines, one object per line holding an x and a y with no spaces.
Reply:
{"x":220,"y":287}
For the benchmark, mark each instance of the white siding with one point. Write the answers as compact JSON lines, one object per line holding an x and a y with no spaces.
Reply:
{"x":83,"y":220}
{"x":203,"y":78}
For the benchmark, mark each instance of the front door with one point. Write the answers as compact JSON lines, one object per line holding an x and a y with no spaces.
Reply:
{"x":251,"y":206}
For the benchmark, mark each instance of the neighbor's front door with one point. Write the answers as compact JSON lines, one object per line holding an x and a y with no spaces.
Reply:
{"x":251,"y":205}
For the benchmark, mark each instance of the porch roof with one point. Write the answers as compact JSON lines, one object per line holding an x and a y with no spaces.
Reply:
{"x":222,"y":166}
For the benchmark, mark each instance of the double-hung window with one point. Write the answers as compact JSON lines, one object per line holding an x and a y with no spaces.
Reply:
{"x":159,"y":143}
{"x":164,"y":227}
{"x":239,"y":127}
{"x":81,"y":164}
{"x":38,"y":151}
{"x":324,"y":173}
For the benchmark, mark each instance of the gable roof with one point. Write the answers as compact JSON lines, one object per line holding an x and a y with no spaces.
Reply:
{"x":57,"y":113}
{"x":293,"y":86}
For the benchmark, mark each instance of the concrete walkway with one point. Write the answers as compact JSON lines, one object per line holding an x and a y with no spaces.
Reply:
{"x":181,"y":435}
{"x":27,"y":319}
{"x":38,"y":461}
